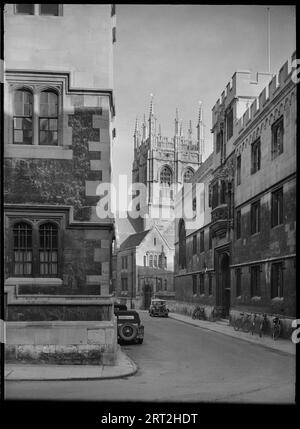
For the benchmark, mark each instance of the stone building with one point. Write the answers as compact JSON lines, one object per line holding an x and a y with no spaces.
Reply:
{"x":145,"y":263}
{"x":264,"y":245}
{"x":251,"y":209}
{"x":194,"y":272}
{"x":162,"y":165}
{"x":58,"y":128}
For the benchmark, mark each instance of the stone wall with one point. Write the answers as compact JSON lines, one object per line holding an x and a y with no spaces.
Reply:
{"x":57,"y":342}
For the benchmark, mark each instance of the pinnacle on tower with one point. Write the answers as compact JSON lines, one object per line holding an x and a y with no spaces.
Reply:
{"x":200,"y":130}
{"x":151,"y":119}
{"x":190,"y":131}
{"x":159,"y":130}
{"x":181,"y":128}
{"x":176,"y":123}
{"x":151,"y":110}
{"x":136,"y":134}
{"x":144,"y":127}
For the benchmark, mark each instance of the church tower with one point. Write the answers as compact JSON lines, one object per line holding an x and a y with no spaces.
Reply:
{"x":163,"y":164}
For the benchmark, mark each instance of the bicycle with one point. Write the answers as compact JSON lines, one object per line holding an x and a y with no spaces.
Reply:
{"x":243,"y":322}
{"x":215,"y":314}
{"x":199,"y":313}
{"x":263,"y":326}
{"x":276,"y":328}
{"x":253,"y":323}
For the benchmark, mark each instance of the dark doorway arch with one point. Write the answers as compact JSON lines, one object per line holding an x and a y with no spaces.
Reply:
{"x":182,"y":244}
{"x":224,"y":280}
{"x":147,"y":294}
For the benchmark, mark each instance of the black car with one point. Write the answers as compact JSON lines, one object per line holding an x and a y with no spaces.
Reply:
{"x":129,"y":326}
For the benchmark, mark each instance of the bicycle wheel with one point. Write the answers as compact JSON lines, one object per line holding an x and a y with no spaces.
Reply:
{"x":237,"y":324}
{"x":246,"y":326}
{"x":276,"y":332}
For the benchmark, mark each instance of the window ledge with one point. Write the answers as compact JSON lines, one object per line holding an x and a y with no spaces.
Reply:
{"x":38,"y":281}
{"x":37,"y":151}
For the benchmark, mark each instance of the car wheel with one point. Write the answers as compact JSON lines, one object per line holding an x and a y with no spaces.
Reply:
{"x":127,"y":332}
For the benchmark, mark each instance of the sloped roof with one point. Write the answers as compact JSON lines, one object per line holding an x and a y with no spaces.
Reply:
{"x":134,"y":240}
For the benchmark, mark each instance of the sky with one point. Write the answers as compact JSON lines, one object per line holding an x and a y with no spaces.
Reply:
{"x":186,"y":53}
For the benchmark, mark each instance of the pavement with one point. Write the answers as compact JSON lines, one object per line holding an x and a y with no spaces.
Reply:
{"x":125,"y":366}
{"x":24,"y":372}
{"x":223,"y":327}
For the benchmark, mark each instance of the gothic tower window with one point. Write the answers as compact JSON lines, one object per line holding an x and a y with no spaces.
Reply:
{"x":166,"y":179}
{"x":188,"y":175}
{"x":166,"y":176}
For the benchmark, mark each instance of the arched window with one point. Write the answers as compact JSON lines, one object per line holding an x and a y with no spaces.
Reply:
{"x":155,"y":261}
{"x":189,"y":172}
{"x":48,"y":249}
{"x":166,"y":176}
{"x":160,"y":261}
{"x":223,"y":192}
{"x":22,"y":249}
{"x":151,"y":261}
{"x":48,"y":121}
{"x":182,"y":244}
{"x":22,"y":121}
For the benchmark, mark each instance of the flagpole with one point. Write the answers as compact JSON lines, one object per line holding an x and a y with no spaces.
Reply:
{"x":269,"y":42}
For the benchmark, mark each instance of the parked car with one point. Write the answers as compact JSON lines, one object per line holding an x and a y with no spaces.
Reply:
{"x":158,"y":307}
{"x":129,"y":326}
{"x":119,"y":307}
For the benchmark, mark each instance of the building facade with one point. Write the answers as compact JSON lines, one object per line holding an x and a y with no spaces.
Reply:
{"x":251,"y":204}
{"x":161,"y":165}
{"x":145,"y":263}
{"x":194,"y":271}
{"x":264,"y":246}
{"x":58,"y":129}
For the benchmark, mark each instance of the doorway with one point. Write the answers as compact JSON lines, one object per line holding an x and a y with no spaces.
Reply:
{"x":147,"y":295}
{"x":224,"y":283}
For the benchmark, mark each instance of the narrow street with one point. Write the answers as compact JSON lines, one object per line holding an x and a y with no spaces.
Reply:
{"x":181,"y":363}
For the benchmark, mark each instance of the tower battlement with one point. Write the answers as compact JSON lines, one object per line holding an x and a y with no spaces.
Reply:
{"x":278,"y":81}
{"x":261,"y":87}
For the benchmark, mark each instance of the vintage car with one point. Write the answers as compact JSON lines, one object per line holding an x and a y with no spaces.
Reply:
{"x":158,"y":307}
{"x":129,"y":326}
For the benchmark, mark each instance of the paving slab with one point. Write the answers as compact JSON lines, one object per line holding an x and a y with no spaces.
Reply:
{"x":282,"y":345}
{"x":39,"y":372}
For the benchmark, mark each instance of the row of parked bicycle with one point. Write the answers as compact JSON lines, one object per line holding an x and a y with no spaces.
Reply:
{"x":247,"y":322}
